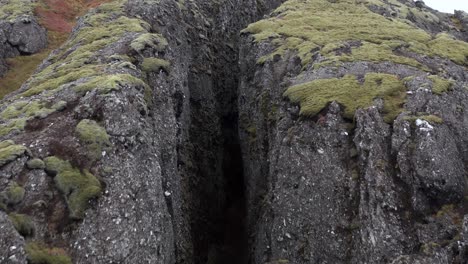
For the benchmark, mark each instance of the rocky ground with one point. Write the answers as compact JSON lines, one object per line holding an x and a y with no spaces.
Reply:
{"x":237,"y":131}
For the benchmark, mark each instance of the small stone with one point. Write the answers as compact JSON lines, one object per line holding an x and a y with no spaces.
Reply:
{"x":167,"y":193}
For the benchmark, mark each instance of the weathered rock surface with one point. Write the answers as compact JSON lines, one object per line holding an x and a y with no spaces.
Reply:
{"x":158,"y":133}
{"x":12,"y":243}
{"x":20,"y":33}
{"x":327,"y":189}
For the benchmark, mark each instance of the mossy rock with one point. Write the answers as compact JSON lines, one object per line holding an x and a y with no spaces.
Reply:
{"x":23,"y":224}
{"x":155,"y":41}
{"x":14,"y":125}
{"x":155,"y":65}
{"x":440,"y":85}
{"x":77,"y":60}
{"x":107,"y":83}
{"x":9,"y":151}
{"x":337,"y":24}
{"x":35,"y":164}
{"x":77,"y":186}
{"x":314,"y":96}
{"x":94,"y":136}
{"x":40,"y":254}
{"x":13,"y":194}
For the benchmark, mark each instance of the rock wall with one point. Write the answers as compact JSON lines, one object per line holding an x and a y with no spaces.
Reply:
{"x":158,"y":133}
{"x":329,"y":184}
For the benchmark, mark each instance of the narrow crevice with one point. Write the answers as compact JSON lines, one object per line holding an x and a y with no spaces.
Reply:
{"x":215,"y":175}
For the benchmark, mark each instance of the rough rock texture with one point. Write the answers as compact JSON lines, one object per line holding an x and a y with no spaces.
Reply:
{"x":327,"y":189}
{"x":12,"y":243}
{"x":20,"y":32}
{"x":172,"y":133}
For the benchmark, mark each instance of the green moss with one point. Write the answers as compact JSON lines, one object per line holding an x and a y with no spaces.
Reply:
{"x":78,"y":59}
{"x":13,"y":194}
{"x":94,"y":136}
{"x":13,"y":125}
{"x":155,"y":41}
{"x":28,"y":109}
{"x":35,"y":164}
{"x":334,"y":24}
{"x":40,"y":254}
{"x":59,"y":80}
{"x":23,"y":224}
{"x":77,"y":186}
{"x":439,"y":85}
{"x":107,"y":83}
{"x":154,"y":65}
{"x":11,"y":9}
{"x":10,"y":151}
{"x":314,"y":96}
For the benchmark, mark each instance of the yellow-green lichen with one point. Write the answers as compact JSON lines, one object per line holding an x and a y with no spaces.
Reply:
{"x":77,"y":186}
{"x":154,"y":65}
{"x":314,"y":96}
{"x":9,"y":151}
{"x":23,"y":224}
{"x":94,"y":136}
{"x":13,"y":194}
{"x":40,"y":254}
{"x":440,"y":85}
{"x":335,"y":24}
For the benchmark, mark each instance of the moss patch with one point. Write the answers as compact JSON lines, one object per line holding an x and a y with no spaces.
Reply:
{"x":35,"y":164}
{"x":9,"y":151}
{"x":314,"y":96}
{"x":78,"y":60}
{"x":155,"y":41}
{"x":154,"y":65}
{"x":23,"y":224}
{"x":13,"y":194}
{"x":94,"y":136}
{"x":334,"y":24}
{"x":40,"y":254}
{"x":107,"y":83}
{"x":439,"y":85}
{"x":13,"y":125}
{"x":77,"y":186}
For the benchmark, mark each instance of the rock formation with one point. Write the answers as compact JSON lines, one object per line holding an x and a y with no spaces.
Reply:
{"x":238,"y":131}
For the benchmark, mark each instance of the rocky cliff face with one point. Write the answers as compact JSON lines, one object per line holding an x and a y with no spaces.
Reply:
{"x":326,"y":132}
